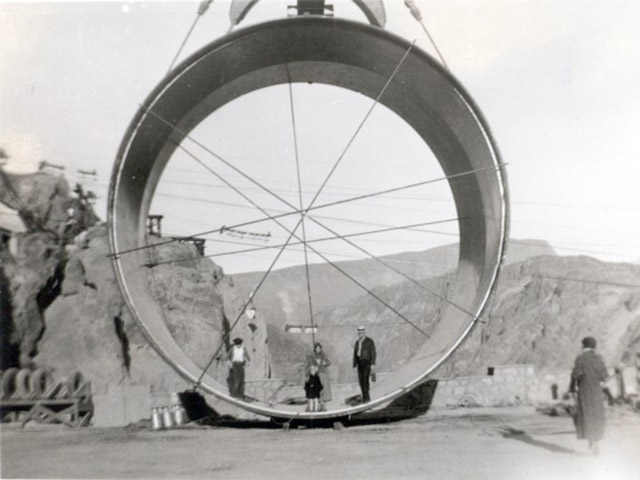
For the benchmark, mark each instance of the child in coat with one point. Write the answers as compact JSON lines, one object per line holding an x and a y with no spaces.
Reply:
{"x":312,"y":388}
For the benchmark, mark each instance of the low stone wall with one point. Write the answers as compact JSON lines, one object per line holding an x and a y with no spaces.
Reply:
{"x":520,"y":384}
{"x":502,"y":385}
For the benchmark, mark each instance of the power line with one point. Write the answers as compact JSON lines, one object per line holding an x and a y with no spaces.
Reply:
{"x":301,"y":205}
{"x":315,"y":240}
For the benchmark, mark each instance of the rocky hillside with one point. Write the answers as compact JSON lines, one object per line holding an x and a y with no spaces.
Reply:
{"x":543,"y":307}
{"x":31,"y":275}
{"x":62,"y":309}
{"x":283,"y":296}
{"x":339,"y":305}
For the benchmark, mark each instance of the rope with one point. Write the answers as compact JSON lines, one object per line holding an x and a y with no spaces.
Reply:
{"x":357,"y":131}
{"x":415,"y":12}
{"x":370,"y":292}
{"x":292,"y":234}
{"x":306,"y":243}
{"x":316,"y":207}
{"x":393,"y":269}
{"x":326,"y":180}
{"x":258,"y":184}
{"x":228,"y":334}
{"x":294,"y":244}
{"x":204,"y":6}
{"x":302,"y":215}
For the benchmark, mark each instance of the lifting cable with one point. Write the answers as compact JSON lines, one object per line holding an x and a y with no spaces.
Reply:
{"x":302,"y":213}
{"x":286,"y":214}
{"x":225,"y":338}
{"x":202,"y":8}
{"x":335,"y":165}
{"x":337,"y":235}
{"x":295,"y":244}
{"x":258,"y":184}
{"x":415,"y":12}
{"x":357,"y":131}
{"x":292,"y":234}
{"x":593,"y":282}
{"x":394,"y":269}
{"x":316,"y":196}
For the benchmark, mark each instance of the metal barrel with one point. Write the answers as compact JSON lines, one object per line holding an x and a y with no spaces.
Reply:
{"x":156,"y":419}
{"x":167,"y":418}
{"x":179,"y":415}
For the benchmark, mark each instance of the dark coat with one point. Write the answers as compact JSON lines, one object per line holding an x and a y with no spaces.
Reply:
{"x":367,"y":353}
{"x":588,"y":371}
{"x":313,"y":386}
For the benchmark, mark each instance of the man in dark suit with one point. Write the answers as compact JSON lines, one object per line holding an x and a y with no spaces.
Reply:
{"x":364,"y":357}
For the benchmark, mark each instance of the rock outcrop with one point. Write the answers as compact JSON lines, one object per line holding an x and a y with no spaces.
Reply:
{"x":63,"y":309}
{"x":544,"y":307}
{"x":32,"y":274}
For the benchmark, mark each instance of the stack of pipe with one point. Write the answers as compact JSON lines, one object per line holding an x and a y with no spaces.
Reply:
{"x":39,"y":384}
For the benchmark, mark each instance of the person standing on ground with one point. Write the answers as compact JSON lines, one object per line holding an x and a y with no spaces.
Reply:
{"x":364,"y":358}
{"x":238,"y":360}
{"x":587,"y":375}
{"x":320,"y":360}
{"x":312,"y":389}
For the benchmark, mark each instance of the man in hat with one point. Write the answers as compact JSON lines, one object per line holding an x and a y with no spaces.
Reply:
{"x":364,"y":358}
{"x":238,"y":359}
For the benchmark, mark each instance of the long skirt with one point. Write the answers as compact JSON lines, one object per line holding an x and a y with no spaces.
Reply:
{"x":325,"y":395}
{"x":590,"y":416}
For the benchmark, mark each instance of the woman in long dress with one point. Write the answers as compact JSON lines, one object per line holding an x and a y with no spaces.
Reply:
{"x":586,"y":377}
{"x":320,"y":359}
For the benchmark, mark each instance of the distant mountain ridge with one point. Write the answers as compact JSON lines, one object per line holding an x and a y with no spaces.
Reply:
{"x":283,"y":296}
{"x":541,"y":310}
{"x":339,"y":302}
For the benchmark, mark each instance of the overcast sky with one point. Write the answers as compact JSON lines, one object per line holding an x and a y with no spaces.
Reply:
{"x":557,"y":81}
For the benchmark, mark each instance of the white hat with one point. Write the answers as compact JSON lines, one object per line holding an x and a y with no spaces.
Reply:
{"x":361,"y":329}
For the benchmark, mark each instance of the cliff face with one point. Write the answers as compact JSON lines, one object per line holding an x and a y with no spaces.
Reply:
{"x":88,"y":326}
{"x":32,"y":274}
{"x":340,"y":305}
{"x":204,"y":311}
{"x":283,"y":296}
{"x":64,"y":310}
{"x":545,"y":306}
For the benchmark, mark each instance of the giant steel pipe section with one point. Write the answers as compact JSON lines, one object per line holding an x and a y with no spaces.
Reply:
{"x":336,"y":52}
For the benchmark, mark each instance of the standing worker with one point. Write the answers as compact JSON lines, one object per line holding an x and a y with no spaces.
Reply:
{"x":364,"y":358}
{"x":587,"y":376}
{"x":238,"y":360}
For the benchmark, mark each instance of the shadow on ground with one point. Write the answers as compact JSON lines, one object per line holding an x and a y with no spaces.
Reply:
{"x":414,"y":403}
{"x":522,"y":436}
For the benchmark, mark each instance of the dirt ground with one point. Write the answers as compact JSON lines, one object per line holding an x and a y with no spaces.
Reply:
{"x":488,"y":443}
